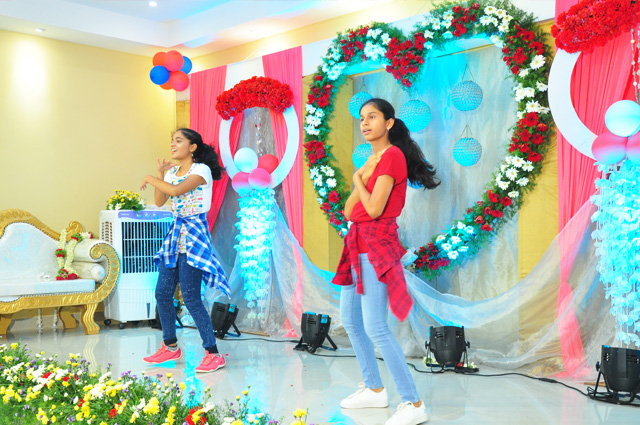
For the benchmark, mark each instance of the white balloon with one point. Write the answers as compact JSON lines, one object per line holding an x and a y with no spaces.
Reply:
{"x":623,"y":118}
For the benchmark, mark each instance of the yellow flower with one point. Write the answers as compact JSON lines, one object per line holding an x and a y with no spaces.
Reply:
{"x":245,"y":392}
{"x":170,"y":419}
{"x":236,"y":422}
{"x":14,"y":345}
{"x":134,"y":417}
{"x":103,"y":423}
{"x":79,"y":416}
{"x":237,"y":397}
{"x":152,"y":407}
{"x":169,"y":375}
{"x":299,"y":413}
{"x":182,"y":386}
{"x":53,"y":419}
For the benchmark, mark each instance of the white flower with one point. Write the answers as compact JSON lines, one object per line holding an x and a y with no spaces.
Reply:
{"x":503,"y":27}
{"x":314,"y":173}
{"x":506,"y":19}
{"x":523,"y":72}
{"x":428,"y":45}
{"x":455,"y":240}
{"x":498,"y":178}
{"x":317,"y":181}
{"x":325,"y":68}
{"x":452,"y":254}
{"x":536,"y":107}
{"x":310,"y":108}
{"x":447,"y":35}
{"x":428,"y":34}
{"x":528,"y":92}
{"x":385,"y":38}
{"x":118,"y":206}
{"x":311,"y":130}
{"x":541,"y":86}
{"x":440,"y":238}
{"x":460,"y":225}
{"x":329,"y":171}
{"x":436,"y":25}
{"x":319,"y":113}
{"x":518,"y":162}
{"x":465,"y":248}
{"x":446,"y":246}
{"x":494,"y":21}
{"x":446,"y":23}
{"x":503,"y":167}
{"x":503,"y":185}
{"x":374,"y":33}
{"x":537,"y":61}
{"x":501,"y":13}
{"x":469,"y":230}
{"x":331,"y":182}
{"x":528,"y":166}
{"x":490,"y":10}
{"x":511,"y":174}
{"x":484,"y":20}
{"x":523,"y":181}
{"x":513,"y":194}
{"x":320,"y":201}
{"x":333,"y":74}
{"x":313,"y":120}
{"x":322,"y":192}
{"x":520,"y":115}
{"x":448,"y":15}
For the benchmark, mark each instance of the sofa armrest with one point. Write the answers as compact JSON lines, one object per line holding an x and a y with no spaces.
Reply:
{"x":82,"y":251}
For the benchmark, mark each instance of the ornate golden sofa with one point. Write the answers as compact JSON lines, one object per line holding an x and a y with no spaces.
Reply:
{"x":28,"y":268}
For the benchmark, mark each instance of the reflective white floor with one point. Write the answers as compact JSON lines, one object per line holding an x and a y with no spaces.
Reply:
{"x":282,"y":380}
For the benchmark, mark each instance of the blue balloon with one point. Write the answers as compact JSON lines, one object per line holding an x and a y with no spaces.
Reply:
{"x":159,"y":75}
{"x":246,"y":159}
{"x":187,"y":66}
{"x":623,"y":118}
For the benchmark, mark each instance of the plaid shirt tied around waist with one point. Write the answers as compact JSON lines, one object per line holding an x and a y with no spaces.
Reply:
{"x":385,"y":252}
{"x":199,"y":250}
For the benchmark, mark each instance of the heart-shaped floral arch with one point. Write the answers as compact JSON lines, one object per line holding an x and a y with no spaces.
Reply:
{"x":523,"y":51}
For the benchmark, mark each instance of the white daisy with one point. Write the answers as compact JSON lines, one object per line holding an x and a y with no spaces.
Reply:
{"x":310,"y":108}
{"x":490,"y":10}
{"x":537,"y":61}
{"x":317,"y":181}
{"x":541,"y":86}
{"x":331,"y":182}
{"x":485,"y":20}
{"x":322,"y":192}
{"x":520,"y":115}
{"x":501,"y":13}
{"x":436,"y":25}
{"x":385,"y":38}
{"x":518,"y":162}
{"x":513,"y":194}
{"x":511,"y":174}
{"x":320,"y":201}
{"x":314,"y":173}
{"x":528,"y":92}
{"x":523,"y":72}
{"x":329,"y":172}
{"x":523,"y":181}
{"x":446,"y":246}
{"x":460,"y":225}
{"x":469,"y":230}
{"x":503,"y":185}
{"x":533,"y":106}
{"x":455,"y":240}
{"x":319,"y":113}
{"x":448,"y":15}
{"x":453,"y":254}
{"x":528,"y":166}
{"x":506,"y":19}
{"x":440,"y":238}
{"x":465,"y":248}
{"x":494,"y":21}
{"x":503,"y":27}
{"x":428,"y":34}
{"x":498,"y":178}
{"x":503,"y":168}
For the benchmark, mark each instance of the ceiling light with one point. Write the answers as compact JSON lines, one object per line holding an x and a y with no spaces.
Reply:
{"x":153,"y":3}
{"x":40,"y":30}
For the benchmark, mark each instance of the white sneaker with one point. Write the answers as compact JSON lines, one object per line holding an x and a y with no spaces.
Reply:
{"x":364,"y":398}
{"x":408,"y":414}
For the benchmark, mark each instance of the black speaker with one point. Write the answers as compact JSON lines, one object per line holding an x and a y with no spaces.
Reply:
{"x":621,"y":369}
{"x":315,"y":328}
{"x":223,"y":317}
{"x":447,"y":344}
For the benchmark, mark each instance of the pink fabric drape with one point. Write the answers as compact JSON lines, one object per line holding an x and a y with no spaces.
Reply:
{"x":205,"y":87}
{"x":286,"y":67}
{"x":600,"y":79}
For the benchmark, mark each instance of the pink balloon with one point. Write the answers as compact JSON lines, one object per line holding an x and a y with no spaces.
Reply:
{"x":268,"y":162}
{"x":633,"y":148}
{"x":240,"y":182}
{"x":609,"y":148}
{"x":173,"y":60}
{"x":179,"y":80}
{"x":259,"y":179}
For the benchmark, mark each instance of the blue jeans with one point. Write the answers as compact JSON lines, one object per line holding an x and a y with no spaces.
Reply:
{"x":364,"y":317}
{"x":190,"y":280}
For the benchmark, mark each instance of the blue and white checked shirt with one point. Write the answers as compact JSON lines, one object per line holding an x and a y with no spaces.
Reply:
{"x":199,"y":252}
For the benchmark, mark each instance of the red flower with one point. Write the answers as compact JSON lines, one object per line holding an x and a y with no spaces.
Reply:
{"x":534,"y":157}
{"x":493,"y":197}
{"x":524,"y":135}
{"x":486,"y":227}
{"x":506,"y":201}
{"x":519,"y":57}
{"x":112,"y":413}
{"x":333,"y":197}
{"x":65,"y":379}
{"x":475,"y":6}
{"x":255,"y":92}
{"x":479,"y":219}
{"x":46,"y":375}
{"x":541,"y":127}
{"x":496,"y":213}
{"x":81,"y":402}
{"x":515,"y":70}
{"x":457,"y":9}
{"x":537,"y":139}
{"x":531,"y":119}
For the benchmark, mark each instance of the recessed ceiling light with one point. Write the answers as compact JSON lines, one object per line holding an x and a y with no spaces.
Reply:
{"x":40,"y":30}
{"x":153,"y":3}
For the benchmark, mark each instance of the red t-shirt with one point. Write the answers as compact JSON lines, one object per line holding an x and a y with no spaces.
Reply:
{"x":393,"y":164}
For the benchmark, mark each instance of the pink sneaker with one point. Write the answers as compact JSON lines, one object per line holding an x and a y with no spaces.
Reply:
{"x":163,"y":355}
{"x":211,"y":363}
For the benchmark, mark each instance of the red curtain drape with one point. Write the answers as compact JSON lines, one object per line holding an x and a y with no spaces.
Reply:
{"x":600,"y":79}
{"x":205,"y":87}
{"x":286,"y":67}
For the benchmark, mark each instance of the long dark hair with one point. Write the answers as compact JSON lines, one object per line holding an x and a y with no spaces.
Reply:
{"x":419,"y":171}
{"x":204,"y":153}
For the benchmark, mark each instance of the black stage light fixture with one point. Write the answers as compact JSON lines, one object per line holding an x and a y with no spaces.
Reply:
{"x":448,"y":345}
{"x":620,"y":368}
{"x":315,"y":328}
{"x":223,"y":317}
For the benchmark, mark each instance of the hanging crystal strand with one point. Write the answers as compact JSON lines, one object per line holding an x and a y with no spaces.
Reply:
{"x":635,"y":59}
{"x":259,"y":143}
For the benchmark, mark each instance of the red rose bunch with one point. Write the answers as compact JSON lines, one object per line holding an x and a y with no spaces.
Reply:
{"x":260,"y":92}
{"x":314,"y":150}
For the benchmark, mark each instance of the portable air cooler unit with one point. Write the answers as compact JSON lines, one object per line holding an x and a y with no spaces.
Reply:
{"x":136,"y":237}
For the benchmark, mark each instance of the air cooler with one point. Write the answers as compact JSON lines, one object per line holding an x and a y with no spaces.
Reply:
{"x":136,"y":237}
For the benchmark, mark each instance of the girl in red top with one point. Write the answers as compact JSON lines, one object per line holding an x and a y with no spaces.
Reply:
{"x":370,"y":269}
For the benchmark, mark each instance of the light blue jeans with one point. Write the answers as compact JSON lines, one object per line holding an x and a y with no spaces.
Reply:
{"x":364,"y":317}
{"x":190,"y":280}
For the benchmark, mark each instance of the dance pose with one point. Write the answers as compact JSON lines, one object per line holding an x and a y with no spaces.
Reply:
{"x":186,"y":255}
{"x":370,"y":269}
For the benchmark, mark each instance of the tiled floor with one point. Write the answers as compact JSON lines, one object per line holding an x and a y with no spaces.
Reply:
{"x":282,"y":379}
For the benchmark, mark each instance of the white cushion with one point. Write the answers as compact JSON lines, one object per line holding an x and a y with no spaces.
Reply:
{"x":26,"y":253}
{"x":21,"y":287}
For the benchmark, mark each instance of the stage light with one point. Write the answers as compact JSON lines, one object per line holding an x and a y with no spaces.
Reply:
{"x":315,"y":328}
{"x":447,"y":344}
{"x":223,"y":317}
{"x":620,"y":368}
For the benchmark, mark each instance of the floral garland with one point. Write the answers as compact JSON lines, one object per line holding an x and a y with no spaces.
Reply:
{"x":39,"y":389}
{"x":64,"y":254}
{"x":510,"y":29}
{"x":260,"y":92}
{"x":125,"y":200}
{"x":592,"y":23}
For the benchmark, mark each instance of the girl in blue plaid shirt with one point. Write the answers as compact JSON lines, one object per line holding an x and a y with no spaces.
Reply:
{"x":186,"y":255}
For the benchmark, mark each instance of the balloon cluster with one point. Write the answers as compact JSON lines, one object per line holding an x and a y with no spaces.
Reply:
{"x":170,"y":70}
{"x":623,"y":121}
{"x":255,"y":173}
